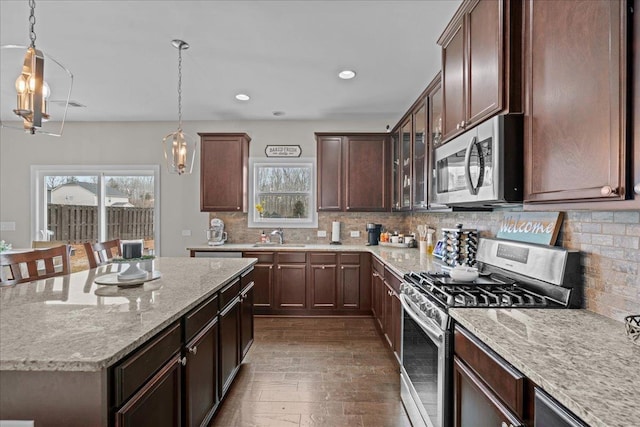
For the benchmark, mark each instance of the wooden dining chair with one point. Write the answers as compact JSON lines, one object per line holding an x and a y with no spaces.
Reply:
{"x":100,"y":253}
{"x":20,"y":267}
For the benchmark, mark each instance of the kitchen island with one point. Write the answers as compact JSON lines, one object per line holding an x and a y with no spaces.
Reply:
{"x":61,"y":338}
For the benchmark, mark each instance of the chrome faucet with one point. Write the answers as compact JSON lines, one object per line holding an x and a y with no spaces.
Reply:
{"x":280,"y":234}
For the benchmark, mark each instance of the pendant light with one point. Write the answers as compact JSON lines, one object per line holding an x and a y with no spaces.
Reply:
{"x":32,"y":90}
{"x":179,"y":148}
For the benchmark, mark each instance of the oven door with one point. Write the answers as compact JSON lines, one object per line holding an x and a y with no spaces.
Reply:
{"x":423,"y":374}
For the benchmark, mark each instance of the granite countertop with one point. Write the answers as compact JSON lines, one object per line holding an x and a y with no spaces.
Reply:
{"x":584,"y":360}
{"x":69,"y":323}
{"x":400,"y":260}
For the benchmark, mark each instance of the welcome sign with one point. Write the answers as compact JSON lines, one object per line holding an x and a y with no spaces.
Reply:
{"x":531,"y":227}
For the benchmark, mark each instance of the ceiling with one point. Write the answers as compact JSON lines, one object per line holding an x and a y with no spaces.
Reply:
{"x":284,"y":54}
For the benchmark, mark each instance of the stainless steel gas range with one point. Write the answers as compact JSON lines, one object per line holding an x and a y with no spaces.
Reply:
{"x":512,"y":275}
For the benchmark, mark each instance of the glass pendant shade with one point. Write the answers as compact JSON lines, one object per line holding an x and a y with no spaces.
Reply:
{"x":179,"y":152}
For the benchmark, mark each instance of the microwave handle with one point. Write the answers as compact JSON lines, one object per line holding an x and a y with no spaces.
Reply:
{"x":467,"y":167}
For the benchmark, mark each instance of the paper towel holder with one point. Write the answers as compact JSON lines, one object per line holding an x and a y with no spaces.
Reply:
{"x":335,"y":233}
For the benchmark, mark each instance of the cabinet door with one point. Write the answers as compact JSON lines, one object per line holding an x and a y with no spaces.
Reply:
{"x":323,"y":286}
{"x":453,"y":80}
{"x":223,"y":172}
{"x":246,"y":319}
{"x":158,"y":403}
{"x":575,"y":141}
{"x":396,"y":179}
{"x":389,"y":330}
{"x":329,"y":149}
{"x":366,"y":174}
{"x":406,"y":137}
{"x":229,"y":343}
{"x":291,"y":286}
{"x":263,"y":289}
{"x":396,"y":324}
{"x":349,"y":286}
{"x":201,"y":376}
{"x":485,"y":82}
{"x":420,"y":158}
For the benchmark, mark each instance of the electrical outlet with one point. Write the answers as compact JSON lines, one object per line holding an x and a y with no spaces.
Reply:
{"x":322,"y":233}
{"x":7,"y":226}
{"x":186,"y":233}
{"x":355,"y":234}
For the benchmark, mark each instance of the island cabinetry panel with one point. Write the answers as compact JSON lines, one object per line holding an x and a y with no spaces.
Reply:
{"x":246,"y":313}
{"x":263,"y":277}
{"x":224,"y":163}
{"x":352,"y":172}
{"x":229,"y":319}
{"x":323,"y":280}
{"x":291,"y":281}
{"x":577,"y":146}
{"x":481,"y":63}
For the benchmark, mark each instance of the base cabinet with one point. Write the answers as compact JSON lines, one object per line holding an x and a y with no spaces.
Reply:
{"x":201,"y":376}
{"x":246,"y":319}
{"x":229,"y":343}
{"x":386,"y":306}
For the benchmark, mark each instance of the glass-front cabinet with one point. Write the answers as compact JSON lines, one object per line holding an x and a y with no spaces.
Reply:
{"x":434,"y":132}
{"x":395,"y":170}
{"x":420,"y":157}
{"x":405,"y":166}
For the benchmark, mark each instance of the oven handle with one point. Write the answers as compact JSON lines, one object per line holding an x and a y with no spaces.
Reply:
{"x":434,"y":333}
{"x":467,"y":167}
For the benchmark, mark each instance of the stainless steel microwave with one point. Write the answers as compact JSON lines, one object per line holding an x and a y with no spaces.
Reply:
{"x":481,"y":167}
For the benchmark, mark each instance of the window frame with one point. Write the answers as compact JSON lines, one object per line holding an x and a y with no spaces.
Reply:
{"x":253,"y":220}
{"x":39,"y":193}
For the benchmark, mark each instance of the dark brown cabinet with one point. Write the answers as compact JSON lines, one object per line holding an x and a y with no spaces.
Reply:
{"x":263,"y":277}
{"x":377,"y":292}
{"x":577,"y":146}
{"x":323,"y":280}
{"x":386,"y":307}
{"x":352,"y":172}
{"x":224,"y":166}
{"x":246,"y":318}
{"x":352,"y":293}
{"x":481,"y":63}
{"x":229,"y":320}
{"x":201,"y":376}
{"x":291,"y":281}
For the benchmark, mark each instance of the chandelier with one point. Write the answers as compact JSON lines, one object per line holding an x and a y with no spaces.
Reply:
{"x":179,"y":148}
{"x":32,"y":90}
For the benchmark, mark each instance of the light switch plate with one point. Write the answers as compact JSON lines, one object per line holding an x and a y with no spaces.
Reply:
{"x":322,"y":233}
{"x":355,"y":234}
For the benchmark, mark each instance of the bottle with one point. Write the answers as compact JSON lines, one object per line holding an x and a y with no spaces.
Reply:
{"x":263,"y":237}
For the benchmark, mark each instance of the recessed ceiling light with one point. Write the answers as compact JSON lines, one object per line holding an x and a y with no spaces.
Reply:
{"x":347,"y":74}
{"x":278,"y":113}
{"x":242,"y":97}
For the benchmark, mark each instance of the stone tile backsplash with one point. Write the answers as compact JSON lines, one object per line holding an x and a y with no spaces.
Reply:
{"x":609,"y":243}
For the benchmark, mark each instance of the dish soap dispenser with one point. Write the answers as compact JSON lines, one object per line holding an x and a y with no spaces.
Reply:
{"x":263,"y":237}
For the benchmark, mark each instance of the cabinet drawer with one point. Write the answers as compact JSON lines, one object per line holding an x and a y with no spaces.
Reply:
{"x":349,"y":258}
{"x":393,"y":280}
{"x":246,"y":278}
{"x":229,"y":292}
{"x":197,"y":318}
{"x":289,"y":257}
{"x":135,"y":370}
{"x":504,"y":380}
{"x":263,"y":257}
{"x":378,"y":266}
{"x":323,"y":258}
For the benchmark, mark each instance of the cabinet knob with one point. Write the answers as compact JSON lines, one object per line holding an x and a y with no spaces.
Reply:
{"x":342,"y":267}
{"x":348,"y":207}
{"x":323,"y":267}
{"x":636,"y":189}
{"x":237,"y":208}
{"x":193,"y":350}
{"x":279,"y":267}
{"x":458,"y":126}
{"x":271,"y":267}
{"x":608,"y":191}
{"x":462,"y":123}
{"x":183,"y":361}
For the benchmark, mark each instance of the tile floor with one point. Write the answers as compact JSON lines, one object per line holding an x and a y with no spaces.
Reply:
{"x":315,"y":372}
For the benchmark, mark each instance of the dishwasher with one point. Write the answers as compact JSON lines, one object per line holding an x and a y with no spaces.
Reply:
{"x":217,"y":254}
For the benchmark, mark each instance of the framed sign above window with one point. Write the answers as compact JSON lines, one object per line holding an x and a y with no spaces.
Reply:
{"x":283,"y":151}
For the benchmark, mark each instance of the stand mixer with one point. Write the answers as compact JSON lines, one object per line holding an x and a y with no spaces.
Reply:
{"x":216,"y":235}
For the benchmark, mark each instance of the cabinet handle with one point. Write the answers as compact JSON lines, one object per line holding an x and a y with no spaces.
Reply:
{"x":193,"y":350}
{"x":608,"y":191}
{"x":271,"y":267}
{"x":636,"y":189}
{"x":458,"y":126}
{"x":348,"y":207}
{"x":279,"y":267}
{"x":323,"y":267}
{"x":462,"y":123}
{"x":183,"y":361}
{"x":342,"y":267}
{"x":237,"y":208}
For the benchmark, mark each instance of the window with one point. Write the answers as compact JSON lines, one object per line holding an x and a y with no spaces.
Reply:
{"x":77,"y":204}
{"x":282,"y":193}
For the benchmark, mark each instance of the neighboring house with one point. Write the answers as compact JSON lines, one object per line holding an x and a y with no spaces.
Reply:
{"x":86,"y":194}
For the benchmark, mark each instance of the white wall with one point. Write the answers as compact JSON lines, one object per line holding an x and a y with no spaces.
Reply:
{"x":139,"y":143}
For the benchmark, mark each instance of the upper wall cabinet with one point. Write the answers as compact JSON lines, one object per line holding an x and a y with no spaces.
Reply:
{"x":481,"y":63}
{"x":224,"y":159}
{"x":352,"y":172}
{"x":577,"y":142}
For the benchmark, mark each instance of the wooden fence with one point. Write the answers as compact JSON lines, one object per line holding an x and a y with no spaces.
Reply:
{"x":77,"y":224}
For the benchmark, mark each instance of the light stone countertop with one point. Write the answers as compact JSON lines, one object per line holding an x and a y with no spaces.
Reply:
{"x":582,"y":359}
{"x":69,"y":323}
